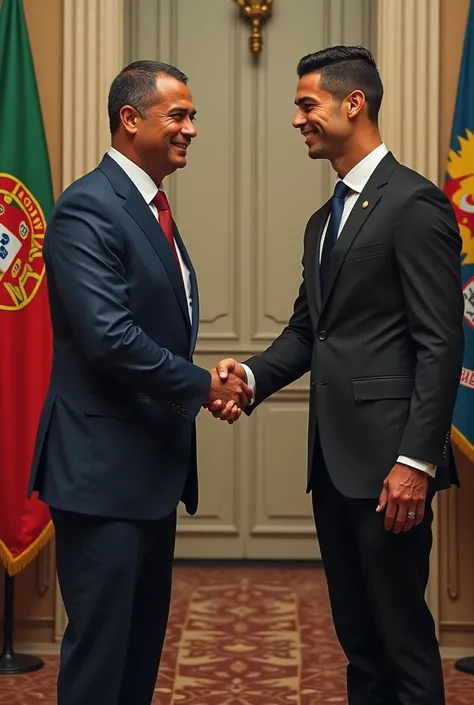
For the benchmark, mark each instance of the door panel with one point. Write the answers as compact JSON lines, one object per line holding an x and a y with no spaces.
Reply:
{"x":242,"y":204}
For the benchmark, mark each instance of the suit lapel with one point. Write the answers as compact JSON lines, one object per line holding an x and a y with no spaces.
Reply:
{"x":194,"y":287}
{"x":312,"y":262}
{"x":139,"y":210}
{"x":142,"y":215}
{"x":354,"y":223}
{"x":364,"y":206}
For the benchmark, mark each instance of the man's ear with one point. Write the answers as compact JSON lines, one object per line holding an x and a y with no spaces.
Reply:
{"x":355,"y":102}
{"x":129,"y":118}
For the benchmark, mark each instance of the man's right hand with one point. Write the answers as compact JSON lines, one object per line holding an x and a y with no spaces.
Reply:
{"x":226,"y":386}
{"x":230,"y":412}
{"x":230,"y":365}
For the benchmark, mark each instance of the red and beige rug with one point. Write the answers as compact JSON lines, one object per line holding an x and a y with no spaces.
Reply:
{"x":242,"y":636}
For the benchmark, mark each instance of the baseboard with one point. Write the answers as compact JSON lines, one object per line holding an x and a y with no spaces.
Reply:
{"x":247,"y":562}
{"x":456,"y":652}
{"x":38,"y":649}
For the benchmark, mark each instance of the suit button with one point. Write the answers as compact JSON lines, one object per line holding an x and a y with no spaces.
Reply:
{"x":313,"y":386}
{"x":322,"y":335}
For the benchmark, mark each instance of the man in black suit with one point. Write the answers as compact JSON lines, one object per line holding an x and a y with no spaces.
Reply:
{"x":116,"y":445}
{"x":378,"y":323}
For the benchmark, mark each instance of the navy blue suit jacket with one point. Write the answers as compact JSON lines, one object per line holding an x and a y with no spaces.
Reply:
{"x":117,"y":432}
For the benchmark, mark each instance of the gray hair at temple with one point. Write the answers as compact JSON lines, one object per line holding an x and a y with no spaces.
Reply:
{"x":136,"y":86}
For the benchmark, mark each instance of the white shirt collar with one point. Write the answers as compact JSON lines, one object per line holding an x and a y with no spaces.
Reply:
{"x":140,"y":178}
{"x":358,"y":176}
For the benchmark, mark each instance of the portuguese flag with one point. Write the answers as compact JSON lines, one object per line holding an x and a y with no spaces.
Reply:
{"x":26,"y":199}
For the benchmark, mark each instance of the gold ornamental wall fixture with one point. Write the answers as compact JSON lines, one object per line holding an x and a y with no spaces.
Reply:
{"x":256,"y":12}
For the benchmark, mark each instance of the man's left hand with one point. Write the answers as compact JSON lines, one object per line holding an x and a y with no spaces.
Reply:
{"x":403,"y":497}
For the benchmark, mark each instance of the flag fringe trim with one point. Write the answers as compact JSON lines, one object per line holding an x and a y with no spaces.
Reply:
{"x":461,"y":441}
{"x":15,"y":564}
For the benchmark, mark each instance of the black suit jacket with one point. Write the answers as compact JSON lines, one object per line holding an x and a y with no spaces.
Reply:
{"x":385,"y":346}
{"x":117,"y":433}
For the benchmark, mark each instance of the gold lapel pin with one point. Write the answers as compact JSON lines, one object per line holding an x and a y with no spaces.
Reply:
{"x":365,"y":204}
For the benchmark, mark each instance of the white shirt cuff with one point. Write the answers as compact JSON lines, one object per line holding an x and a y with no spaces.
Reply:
{"x":250,"y":381}
{"x":429,"y":468}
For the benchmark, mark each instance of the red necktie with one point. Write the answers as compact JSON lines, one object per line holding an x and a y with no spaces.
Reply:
{"x":166,"y":221}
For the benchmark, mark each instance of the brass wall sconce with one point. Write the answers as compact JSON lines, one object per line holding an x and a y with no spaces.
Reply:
{"x":255,"y":12}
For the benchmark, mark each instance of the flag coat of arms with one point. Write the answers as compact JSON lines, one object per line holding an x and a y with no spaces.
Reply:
{"x":26,"y":199}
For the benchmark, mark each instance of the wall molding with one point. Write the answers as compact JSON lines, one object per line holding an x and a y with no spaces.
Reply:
{"x":286,"y":530}
{"x":92,"y":56}
{"x":408,"y":43}
{"x":461,"y":627}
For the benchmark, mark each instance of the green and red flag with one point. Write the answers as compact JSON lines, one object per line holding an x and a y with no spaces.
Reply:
{"x":26,"y":199}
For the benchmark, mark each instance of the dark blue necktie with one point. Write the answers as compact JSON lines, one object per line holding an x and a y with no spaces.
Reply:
{"x":337,"y":206}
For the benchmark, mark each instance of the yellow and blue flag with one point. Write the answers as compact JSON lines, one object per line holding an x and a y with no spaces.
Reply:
{"x":459,"y":187}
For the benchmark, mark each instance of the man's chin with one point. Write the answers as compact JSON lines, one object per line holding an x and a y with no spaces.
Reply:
{"x":180,"y":162}
{"x":316,"y":153}
{"x":177,"y":163}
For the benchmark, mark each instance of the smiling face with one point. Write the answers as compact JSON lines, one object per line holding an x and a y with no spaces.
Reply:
{"x":162,"y":136}
{"x":322,"y":118}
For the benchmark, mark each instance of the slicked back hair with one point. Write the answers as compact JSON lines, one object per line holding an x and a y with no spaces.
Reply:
{"x":344,"y":69}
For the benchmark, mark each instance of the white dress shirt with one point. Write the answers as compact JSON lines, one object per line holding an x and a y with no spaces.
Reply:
{"x":148,"y":189}
{"x":356,"y":180}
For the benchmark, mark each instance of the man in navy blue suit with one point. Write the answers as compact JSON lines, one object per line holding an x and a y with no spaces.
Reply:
{"x":116,"y":444}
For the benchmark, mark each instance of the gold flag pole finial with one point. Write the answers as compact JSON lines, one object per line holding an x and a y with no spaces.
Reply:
{"x":255,"y":12}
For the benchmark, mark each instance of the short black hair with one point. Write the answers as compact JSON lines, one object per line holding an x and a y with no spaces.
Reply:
{"x":344,"y":69}
{"x":135,"y":85}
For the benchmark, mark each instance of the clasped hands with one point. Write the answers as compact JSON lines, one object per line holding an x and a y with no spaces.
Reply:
{"x":229,"y":392}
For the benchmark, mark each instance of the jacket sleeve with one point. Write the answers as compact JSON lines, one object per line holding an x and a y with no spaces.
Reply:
{"x":428,"y":253}
{"x":84,"y":259}
{"x":289,"y":356}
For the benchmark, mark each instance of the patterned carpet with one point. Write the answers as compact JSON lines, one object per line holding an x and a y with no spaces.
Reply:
{"x":242,"y":636}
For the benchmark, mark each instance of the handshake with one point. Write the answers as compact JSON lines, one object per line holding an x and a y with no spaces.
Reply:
{"x":229,"y":392}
